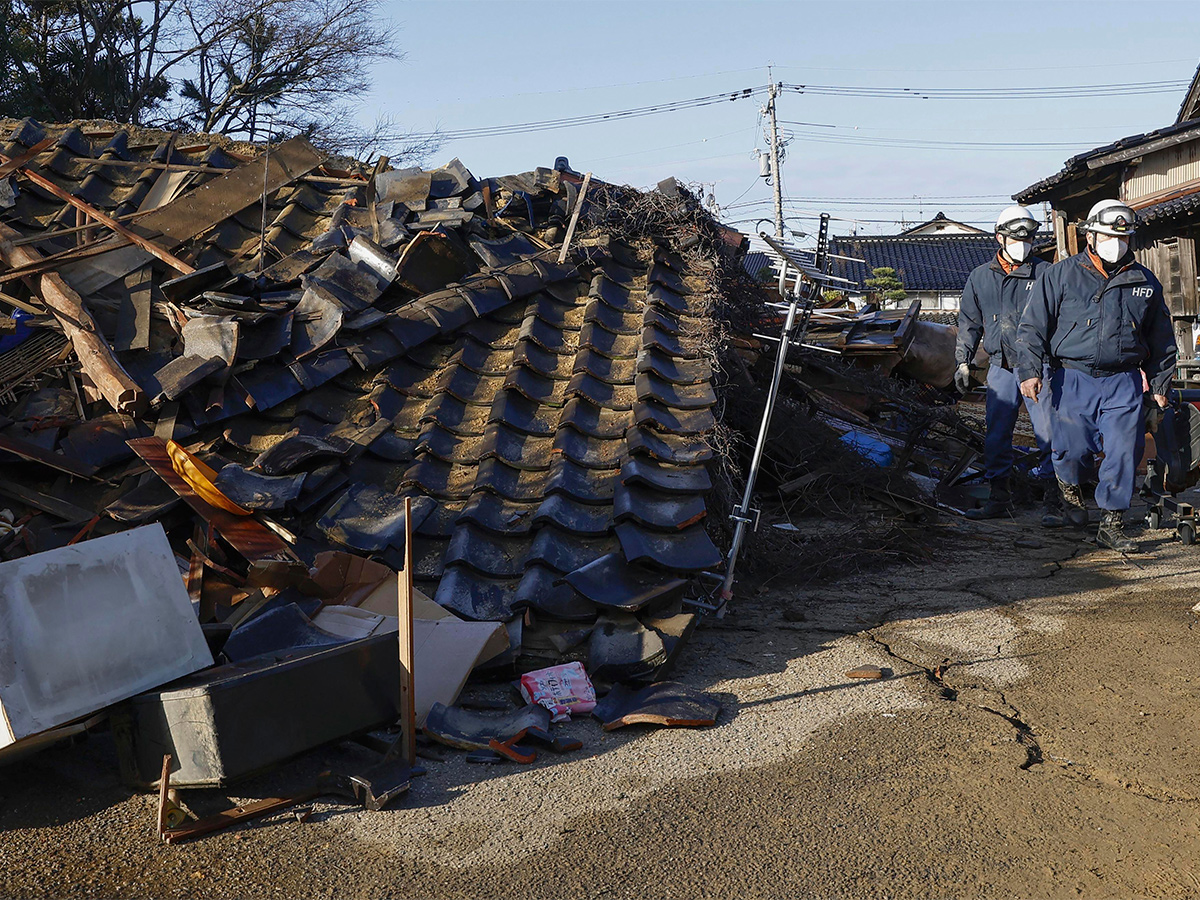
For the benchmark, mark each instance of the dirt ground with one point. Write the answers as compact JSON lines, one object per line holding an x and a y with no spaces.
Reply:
{"x":1033,"y":739}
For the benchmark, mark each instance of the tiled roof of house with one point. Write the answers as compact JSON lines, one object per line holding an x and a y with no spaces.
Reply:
{"x":923,"y":263}
{"x":1078,"y":165}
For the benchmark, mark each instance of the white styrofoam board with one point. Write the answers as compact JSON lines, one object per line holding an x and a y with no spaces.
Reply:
{"x":86,"y":626}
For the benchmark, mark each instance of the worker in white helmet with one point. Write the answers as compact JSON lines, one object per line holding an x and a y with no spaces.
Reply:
{"x":1098,"y":320}
{"x":993,"y":301}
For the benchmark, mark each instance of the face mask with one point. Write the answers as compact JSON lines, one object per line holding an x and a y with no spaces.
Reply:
{"x":1110,"y":248}
{"x":1018,"y":251}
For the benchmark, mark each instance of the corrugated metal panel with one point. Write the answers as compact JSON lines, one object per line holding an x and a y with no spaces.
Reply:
{"x":1162,"y":171}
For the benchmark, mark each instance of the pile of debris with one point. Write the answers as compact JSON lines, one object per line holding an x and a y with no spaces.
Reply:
{"x":268,"y":360}
{"x":251,"y":387}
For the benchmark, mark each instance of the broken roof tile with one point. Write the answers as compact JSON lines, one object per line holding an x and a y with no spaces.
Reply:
{"x":507,"y":481}
{"x":441,"y":479}
{"x":667,"y":298}
{"x":656,"y":509}
{"x":601,"y":393}
{"x":544,"y":362}
{"x":498,"y":514}
{"x":564,"y":552}
{"x":664,"y":703}
{"x":520,"y":413}
{"x":369,"y":519}
{"x":543,"y":590}
{"x":614,"y":371}
{"x":612,"y":581}
{"x":476,"y":597}
{"x":586,"y":450}
{"x":687,"y":550}
{"x":587,"y":418}
{"x":516,"y":448}
{"x":585,"y":484}
{"x":488,"y":552}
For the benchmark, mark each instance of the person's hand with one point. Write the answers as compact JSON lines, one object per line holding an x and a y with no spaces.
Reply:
{"x":1031,"y":387}
{"x":962,"y":378}
{"x":1161,"y":400}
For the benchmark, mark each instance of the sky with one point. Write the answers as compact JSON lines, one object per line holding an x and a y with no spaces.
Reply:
{"x":475,"y":64}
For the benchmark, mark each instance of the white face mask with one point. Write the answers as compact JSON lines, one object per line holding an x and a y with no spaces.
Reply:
{"x":1018,"y":251}
{"x":1110,"y":248}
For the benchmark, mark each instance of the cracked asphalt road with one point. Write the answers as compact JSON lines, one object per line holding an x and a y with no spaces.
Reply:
{"x":1035,"y":739}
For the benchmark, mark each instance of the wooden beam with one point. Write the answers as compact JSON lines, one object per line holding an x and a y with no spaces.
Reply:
{"x":25,"y":158}
{"x":112,"y":224}
{"x":562,"y":256}
{"x":95,"y":355}
{"x":203,"y":208}
{"x":68,"y":512}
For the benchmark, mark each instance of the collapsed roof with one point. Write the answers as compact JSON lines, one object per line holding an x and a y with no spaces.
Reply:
{"x":330,"y":343}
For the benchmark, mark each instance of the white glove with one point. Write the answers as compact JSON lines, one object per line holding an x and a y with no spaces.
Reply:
{"x":962,"y":378}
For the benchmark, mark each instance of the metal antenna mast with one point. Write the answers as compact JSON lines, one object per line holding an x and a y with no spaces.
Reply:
{"x":802,"y":300}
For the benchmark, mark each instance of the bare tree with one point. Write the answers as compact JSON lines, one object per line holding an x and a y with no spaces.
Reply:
{"x":251,"y":69}
{"x":294,"y":61}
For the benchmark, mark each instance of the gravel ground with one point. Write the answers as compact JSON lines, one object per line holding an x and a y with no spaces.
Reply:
{"x":1032,"y":740}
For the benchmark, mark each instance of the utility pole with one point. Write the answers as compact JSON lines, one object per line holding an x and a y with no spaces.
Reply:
{"x":773,"y":93}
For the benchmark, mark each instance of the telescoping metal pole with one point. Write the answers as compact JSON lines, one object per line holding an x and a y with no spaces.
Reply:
{"x":742,"y":514}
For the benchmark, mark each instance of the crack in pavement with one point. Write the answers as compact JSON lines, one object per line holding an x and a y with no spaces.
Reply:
{"x":1026,"y":737}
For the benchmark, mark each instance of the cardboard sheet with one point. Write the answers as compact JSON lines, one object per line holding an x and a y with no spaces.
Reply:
{"x":446,"y":648}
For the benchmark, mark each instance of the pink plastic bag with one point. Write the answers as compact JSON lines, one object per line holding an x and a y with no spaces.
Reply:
{"x":564,"y":690}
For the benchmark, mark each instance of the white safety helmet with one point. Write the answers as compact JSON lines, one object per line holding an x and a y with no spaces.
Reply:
{"x":1017,"y":222}
{"x":1111,"y":217}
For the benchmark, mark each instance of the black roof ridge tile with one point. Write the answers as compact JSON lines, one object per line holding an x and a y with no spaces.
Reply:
{"x":590,"y":451}
{"x":486,"y":552}
{"x":516,"y":449}
{"x":649,"y":386}
{"x":602,"y":393}
{"x":585,"y":417}
{"x":509,"y":481}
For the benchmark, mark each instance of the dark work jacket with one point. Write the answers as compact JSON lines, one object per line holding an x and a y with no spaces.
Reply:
{"x":992,"y":304}
{"x":1078,"y":318}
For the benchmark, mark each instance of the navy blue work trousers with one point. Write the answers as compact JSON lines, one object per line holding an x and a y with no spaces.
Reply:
{"x":1093,"y":415}
{"x":1003,"y":406}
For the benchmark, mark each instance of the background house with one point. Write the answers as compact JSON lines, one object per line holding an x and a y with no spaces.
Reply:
{"x":1158,"y":174}
{"x":932,"y":259}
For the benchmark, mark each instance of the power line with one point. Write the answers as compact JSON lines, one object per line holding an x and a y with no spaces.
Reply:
{"x":594,"y":118}
{"x":924,"y":144}
{"x":1134,"y":88}
{"x":1057,"y":92}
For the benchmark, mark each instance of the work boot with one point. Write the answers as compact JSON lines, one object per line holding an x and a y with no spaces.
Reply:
{"x":1112,"y":533}
{"x":1052,"y":507}
{"x":1074,"y":511}
{"x":998,"y":505}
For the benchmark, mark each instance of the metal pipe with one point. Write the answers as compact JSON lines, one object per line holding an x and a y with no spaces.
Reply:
{"x":741,"y":514}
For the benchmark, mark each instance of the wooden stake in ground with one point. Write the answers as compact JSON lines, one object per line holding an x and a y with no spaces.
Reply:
{"x":404,"y":609}
{"x":95,"y":355}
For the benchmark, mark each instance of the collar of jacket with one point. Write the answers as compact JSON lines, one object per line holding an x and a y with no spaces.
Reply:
{"x":1130,"y":273}
{"x":1024,"y":270}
